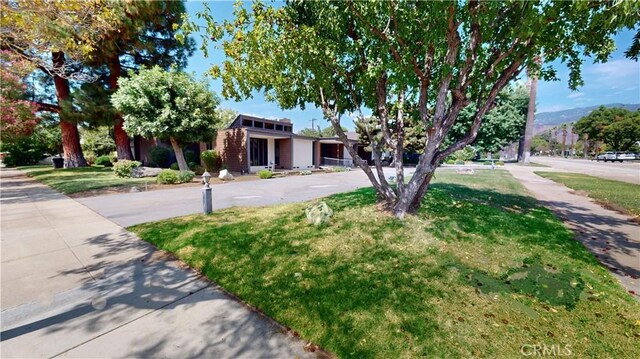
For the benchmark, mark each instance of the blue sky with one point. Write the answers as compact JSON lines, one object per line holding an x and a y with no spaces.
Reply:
{"x":615,"y":81}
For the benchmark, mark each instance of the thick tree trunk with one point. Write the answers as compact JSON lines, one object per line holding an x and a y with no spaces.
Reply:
{"x":71,"y":148}
{"x":182,"y":163}
{"x":123,"y":145}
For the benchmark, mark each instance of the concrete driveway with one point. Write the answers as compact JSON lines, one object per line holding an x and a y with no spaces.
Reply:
{"x":625,"y":171}
{"x":133,"y":208}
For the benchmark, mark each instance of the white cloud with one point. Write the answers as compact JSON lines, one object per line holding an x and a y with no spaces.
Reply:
{"x":575,"y":95}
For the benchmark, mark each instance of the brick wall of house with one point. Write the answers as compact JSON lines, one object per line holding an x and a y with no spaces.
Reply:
{"x":286,"y":158}
{"x":231,"y":147}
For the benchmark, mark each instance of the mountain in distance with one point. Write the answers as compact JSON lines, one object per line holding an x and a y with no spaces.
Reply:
{"x":572,"y":115}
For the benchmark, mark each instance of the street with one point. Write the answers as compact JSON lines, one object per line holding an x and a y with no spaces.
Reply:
{"x":625,"y":171}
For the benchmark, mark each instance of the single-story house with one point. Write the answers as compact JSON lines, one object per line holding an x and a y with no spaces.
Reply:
{"x":250,"y":144}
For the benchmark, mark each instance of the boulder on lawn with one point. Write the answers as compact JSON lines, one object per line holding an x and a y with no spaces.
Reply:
{"x":139,"y":172}
{"x":225,"y":175}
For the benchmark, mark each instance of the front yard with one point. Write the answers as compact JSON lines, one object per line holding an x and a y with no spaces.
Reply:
{"x":482,"y":270}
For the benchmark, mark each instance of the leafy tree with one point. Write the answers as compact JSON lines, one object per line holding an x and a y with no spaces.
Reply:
{"x":55,"y":37}
{"x":616,"y":127}
{"x":167,"y":105}
{"x":143,"y":35}
{"x":320,"y":132}
{"x":227,"y":116}
{"x":17,"y":116}
{"x":423,"y":60}
{"x":98,"y":140}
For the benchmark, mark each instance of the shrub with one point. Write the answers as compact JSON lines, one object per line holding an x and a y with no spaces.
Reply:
{"x":160,"y":156}
{"x":305,"y":172}
{"x":113,"y":157}
{"x":465,"y":154}
{"x":319,"y":213}
{"x":487,"y":163}
{"x":167,"y":176}
{"x":451,"y":162}
{"x":210,"y":160}
{"x":198,"y":170}
{"x":104,"y":161}
{"x":189,"y":156}
{"x":265,"y":174}
{"x":90,"y":157}
{"x":24,"y":151}
{"x":499,"y":163}
{"x":174,"y":166}
{"x":124,"y":168}
{"x":459,"y":162}
{"x":185,"y":176}
{"x":192,"y":165}
{"x":97,"y":140}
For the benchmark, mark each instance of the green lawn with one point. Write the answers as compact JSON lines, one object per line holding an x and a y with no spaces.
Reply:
{"x":73,"y":180}
{"x":480,"y":271}
{"x":618,"y":195}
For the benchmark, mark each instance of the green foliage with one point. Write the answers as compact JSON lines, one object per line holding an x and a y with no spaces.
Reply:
{"x":190,"y":156}
{"x":185,"y":176}
{"x":210,"y":160}
{"x":97,"y":140}
{"x":24,"y":151}
{"x":618,"y":128}
{"x":459,"y":162}
{"x":160,"y":156}
{"x":174,"y":166}
{"x":168,"y":176}
{"x":305,"y":173}
{"x":318,"y":213}
{"x":499,"y":163}
{"x":226,"y":116}
{"x":265,"y":174}
{"x":103,"y":161}
{"x":466,"y":154}
{"x":198,"y":170}
{"x":113,"y":156}
{"x":124,"y":168}
{"x":90,"y":157}
{"x":192,"y":165}
{"x":328,"y":131}
{"x":451,"y":162}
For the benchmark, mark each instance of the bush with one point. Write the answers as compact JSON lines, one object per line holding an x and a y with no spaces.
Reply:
{"x":113,"y":157}
{"x":192,"y":165}
{"x":499,"y":163}
{"x":185,"y":176}
{"x":174,"y":166}
{"x":265,"y":174}
{"x":103,"y":161}
{"x":25,"y":151}
{"x":459,"y":162}
{"x":466,"y":154}
{"x":305,"y":172}
{"x":198,"y":170}
{"x":487,"y":163}
{"x":160,"y":156}
{"x":97,"y":140}
{"x":189,"y":156}
{"x":210,"y":160}
{"x":90,"y":157}
{"x":451,"y":162}
{"x":167,"y":176}
{"x":124,"y":168}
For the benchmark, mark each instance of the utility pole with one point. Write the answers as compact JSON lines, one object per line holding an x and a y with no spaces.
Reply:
{"x":313,"y":121}
{"x":531,"y":114}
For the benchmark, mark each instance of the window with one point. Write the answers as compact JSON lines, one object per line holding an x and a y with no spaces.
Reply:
{"x":257,"y":124}
{"x":287,"y":128}
{"x":248,"y":123}
{"x":258,"y":151}
{"x":268,"y":126}
{"x":278,"y":127}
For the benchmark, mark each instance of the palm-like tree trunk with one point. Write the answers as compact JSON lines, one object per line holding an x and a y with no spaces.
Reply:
{"x":531,"y":115}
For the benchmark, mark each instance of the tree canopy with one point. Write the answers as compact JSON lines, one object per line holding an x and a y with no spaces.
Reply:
{"x":619,"y":128}
{"x":409,"y":62}
{"x":168,"y":105}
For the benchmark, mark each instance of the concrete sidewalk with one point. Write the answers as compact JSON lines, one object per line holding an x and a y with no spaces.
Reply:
{"x":612,"y":237}
{"x":75,"y":284}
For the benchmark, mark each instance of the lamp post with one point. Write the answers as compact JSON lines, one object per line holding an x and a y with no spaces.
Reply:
{"x":207,"y":203}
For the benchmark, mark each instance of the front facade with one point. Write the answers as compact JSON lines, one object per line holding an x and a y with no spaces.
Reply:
{"x":251,"y":144}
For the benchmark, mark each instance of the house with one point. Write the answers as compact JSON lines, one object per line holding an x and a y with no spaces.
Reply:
{"x":251,"y":144}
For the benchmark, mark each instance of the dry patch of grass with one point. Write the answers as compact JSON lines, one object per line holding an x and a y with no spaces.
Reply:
{"x":480,"y":271}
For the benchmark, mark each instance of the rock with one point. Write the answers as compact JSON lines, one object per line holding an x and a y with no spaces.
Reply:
{"x":139,"y":172}
{"x":225,"y":175}
{"x":134,"y":189}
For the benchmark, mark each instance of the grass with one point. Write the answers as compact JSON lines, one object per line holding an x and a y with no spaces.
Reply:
{"x":74,"y":180}
{"x":622,"y":196}
{"x":534,"y":164}
{"x":481,"y":270}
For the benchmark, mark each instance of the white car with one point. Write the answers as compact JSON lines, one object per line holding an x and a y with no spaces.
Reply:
{"x":626,"y":156}
{"x":607,"y":156}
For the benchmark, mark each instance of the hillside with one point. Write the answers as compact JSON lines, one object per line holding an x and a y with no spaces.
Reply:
{"x":574,"y":114}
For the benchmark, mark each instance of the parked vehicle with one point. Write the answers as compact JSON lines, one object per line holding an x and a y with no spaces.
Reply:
{"x":616,"y":156}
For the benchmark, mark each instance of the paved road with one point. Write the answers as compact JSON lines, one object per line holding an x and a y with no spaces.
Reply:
{"x":133,"y":208}
{"x":75,"y":284}
{"x":625,"y":171}
{"x":612,"y":237}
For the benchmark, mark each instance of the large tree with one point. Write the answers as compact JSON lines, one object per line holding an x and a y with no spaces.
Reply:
{"x":55,"y":37}
{"x":143,"y":35}
{"x":619,"y":128}
{"x":390,"y":56}
{"x":168,"y":105}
